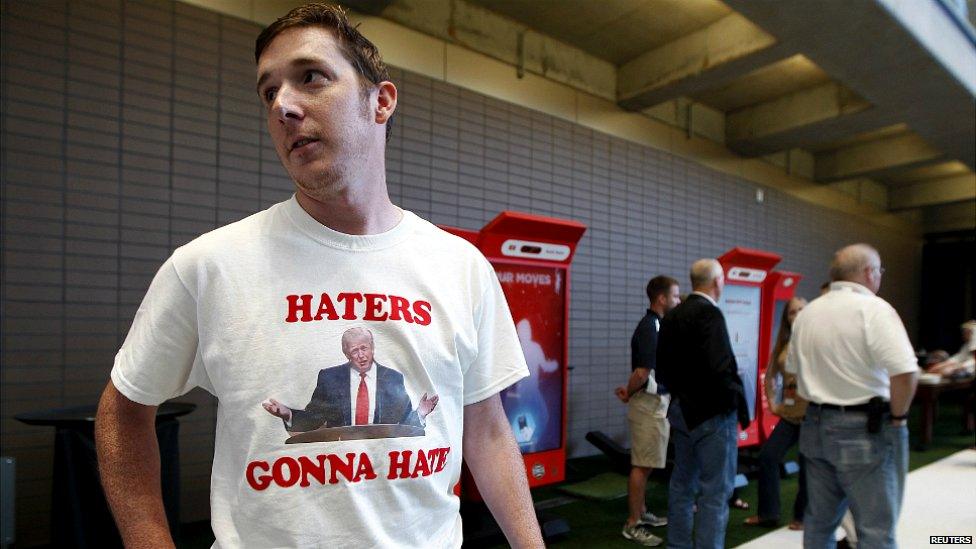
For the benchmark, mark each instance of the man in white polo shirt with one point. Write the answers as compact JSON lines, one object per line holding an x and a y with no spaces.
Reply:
{"x":857,"y":369}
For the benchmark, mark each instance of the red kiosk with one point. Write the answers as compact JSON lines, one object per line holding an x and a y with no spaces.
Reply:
{"x":531,"y":255}
{"x":744,"y":305}
{"x":779,"y":289}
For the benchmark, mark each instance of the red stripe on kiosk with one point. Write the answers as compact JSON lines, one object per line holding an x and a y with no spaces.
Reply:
{"x":743,"y":304}
{"x":779,"y":289}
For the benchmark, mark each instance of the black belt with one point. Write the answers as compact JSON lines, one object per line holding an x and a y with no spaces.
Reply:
{"x":866,"y":407}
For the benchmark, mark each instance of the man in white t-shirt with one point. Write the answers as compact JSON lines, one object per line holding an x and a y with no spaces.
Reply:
{"x":857,"y":369}
{"x":256,"y":308}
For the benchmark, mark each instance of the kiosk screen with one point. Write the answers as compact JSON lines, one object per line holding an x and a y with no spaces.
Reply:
{"x":537,"y":299}
{"x":740,"y":305}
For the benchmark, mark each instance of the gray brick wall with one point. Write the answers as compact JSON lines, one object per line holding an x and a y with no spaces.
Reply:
{"x":131,"y":127}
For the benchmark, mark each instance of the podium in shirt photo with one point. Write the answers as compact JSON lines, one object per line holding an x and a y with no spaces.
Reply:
{"x":359,"y":392}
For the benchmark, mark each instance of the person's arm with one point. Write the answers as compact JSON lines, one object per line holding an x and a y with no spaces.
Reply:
{"x":889,"y":346}
{"x":902,"y":392}
{"x":128,"y":463}
{"x":638,"y":378}
{"x":635,"y":383}
{"x":493,"y":457}
{"x":769,"y":384}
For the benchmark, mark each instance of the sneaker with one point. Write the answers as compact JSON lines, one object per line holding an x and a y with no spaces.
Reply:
{"x":653,"y":520}
{"x":641,"y":534}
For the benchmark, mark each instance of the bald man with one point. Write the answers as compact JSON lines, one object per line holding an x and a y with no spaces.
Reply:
{"x":856,"y":367}
{"x":696,"y":363}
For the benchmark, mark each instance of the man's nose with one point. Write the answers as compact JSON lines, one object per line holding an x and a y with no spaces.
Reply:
{"x":288,"y":106}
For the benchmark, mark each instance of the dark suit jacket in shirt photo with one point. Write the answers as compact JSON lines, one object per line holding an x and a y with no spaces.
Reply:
{"x":331,"y":402}
{"x":695,"y":361}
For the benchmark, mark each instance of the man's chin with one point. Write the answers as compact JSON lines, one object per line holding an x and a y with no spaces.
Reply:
{"x":321,"y":186}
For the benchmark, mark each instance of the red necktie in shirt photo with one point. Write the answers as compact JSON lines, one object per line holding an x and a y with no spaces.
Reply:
{"x":362,"y":402}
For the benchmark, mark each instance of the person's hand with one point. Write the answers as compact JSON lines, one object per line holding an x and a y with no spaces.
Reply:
{"x":427,"y":405}
{"x":777,"y":410}
{"x":621,"y":393}
{"x":277,"y":409}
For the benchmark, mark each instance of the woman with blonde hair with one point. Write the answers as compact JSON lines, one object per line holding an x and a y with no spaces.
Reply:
{"x":790,"y":408}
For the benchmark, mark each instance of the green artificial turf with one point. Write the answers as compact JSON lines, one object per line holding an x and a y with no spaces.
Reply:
{"x":595,"y":523}
{"x":602,"y":487}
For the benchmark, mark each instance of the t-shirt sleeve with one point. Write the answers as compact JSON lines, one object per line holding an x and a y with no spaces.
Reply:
{"x":888,"y":342}
{"x":643,"y":348}
{"x":158,"y":359}
{"x":499,"y":361}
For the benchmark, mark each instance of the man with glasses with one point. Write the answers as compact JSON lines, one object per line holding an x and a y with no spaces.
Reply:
{"x":857,"y":369}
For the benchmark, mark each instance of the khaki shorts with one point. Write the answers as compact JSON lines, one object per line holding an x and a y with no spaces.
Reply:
{"x":649,"y":429}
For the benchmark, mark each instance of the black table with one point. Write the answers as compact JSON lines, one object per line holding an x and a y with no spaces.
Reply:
{"x":927,"y":396}
{"x":79,"y":513}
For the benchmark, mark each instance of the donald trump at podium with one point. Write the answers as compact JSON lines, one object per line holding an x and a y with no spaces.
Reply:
{"x":359,"y":392}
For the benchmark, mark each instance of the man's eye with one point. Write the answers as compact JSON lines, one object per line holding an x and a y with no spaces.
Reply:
{"x":312,"y":76}
{"x":269,"y":94}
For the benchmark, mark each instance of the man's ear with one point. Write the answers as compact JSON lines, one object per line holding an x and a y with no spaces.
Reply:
{"x":386,"y":101}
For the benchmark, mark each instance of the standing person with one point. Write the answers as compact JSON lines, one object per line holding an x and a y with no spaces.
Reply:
{"x":647,"y":408}
{"x":696,"y":363}
{"x":962,"y":361}
{"x":257,"y":308}
{"x":790,"y":408}
{"x":857,"y":369}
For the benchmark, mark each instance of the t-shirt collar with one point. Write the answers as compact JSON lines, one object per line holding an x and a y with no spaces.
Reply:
{"x":365,"y":242}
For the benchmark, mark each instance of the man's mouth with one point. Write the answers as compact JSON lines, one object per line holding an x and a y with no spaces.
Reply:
{"x":299,"y":143}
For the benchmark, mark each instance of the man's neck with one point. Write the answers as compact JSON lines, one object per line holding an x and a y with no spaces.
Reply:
{"x":862,"y":283}
{"x":358,"y":212}
{"x":658,"y":310}
{"x":710,"y":292}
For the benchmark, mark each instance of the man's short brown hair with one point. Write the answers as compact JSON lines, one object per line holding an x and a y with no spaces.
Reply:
{"x":360,"y":52}
{"x":659,"y":285}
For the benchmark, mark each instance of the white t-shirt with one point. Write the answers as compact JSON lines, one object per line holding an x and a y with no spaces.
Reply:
{"x":846,"y":345}
{"x":256,"y":310}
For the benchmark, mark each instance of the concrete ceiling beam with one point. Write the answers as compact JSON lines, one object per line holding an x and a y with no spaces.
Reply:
{"x":930,"y":193}
{"x":478,"y":29}
{"x":768,"y":122}
{"x":875,"y":158}
{"x":907,"y":58}
{"x":705,"y":59}
{"x":810,"y":136}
